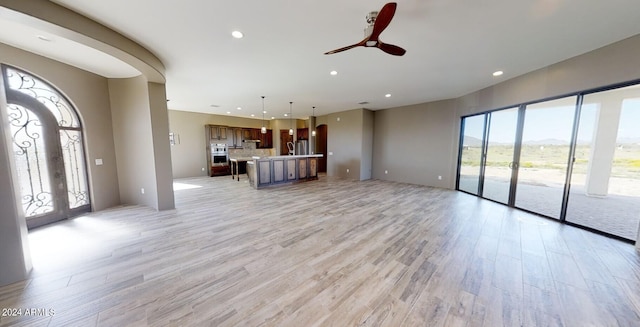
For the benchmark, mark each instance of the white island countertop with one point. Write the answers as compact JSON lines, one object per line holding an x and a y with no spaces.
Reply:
{"x":316,"y":155}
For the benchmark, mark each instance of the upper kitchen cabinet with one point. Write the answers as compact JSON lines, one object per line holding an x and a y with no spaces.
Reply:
{"x":256,"y":134}
{"x":302,"y":134}
{"x":247,"y":134}
{"x":218,"y":132}
{"x":236,"y":137}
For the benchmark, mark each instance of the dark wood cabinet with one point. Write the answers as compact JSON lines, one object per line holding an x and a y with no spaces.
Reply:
{"x":266,"y":140}
{"x":302,"y":134}
{"x":246,"y":134}
{"x":255,"y":134}
{"x":234,"y":136}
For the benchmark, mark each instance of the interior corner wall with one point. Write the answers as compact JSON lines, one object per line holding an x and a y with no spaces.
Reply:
{"x":413,"y":144}
{"x":134,"y":143}
{"x":161,"y":150}
{"x":89,"y":93}
{"x":345,"y":144}
{"x":366,"y":159}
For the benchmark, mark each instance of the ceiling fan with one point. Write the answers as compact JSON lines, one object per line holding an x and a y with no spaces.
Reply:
{"x":378,"y":21}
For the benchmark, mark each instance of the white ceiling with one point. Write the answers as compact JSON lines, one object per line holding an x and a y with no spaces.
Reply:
{"x":453,"y":47}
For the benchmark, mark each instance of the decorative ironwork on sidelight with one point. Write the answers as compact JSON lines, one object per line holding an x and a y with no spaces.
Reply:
{"x":31,"y":160}
{"x":73,"y":154}
{"x":47,"y":95}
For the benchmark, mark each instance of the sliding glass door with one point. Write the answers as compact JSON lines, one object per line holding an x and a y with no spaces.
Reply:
{"x":575,"y":159}
{"x":605,"y":182}
{"x":471,"y":153}
{"x":499,"y":158}
{"x":544,"y":156}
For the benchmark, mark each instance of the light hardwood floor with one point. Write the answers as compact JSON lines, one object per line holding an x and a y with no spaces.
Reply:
{"x":325,"y":253}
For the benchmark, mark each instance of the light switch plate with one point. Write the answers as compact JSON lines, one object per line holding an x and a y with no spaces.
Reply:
{"x":98,"y":162}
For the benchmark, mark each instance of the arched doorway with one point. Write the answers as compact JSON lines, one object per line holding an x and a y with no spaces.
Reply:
{"x":48,"y":149}
{"x":321,"y":147}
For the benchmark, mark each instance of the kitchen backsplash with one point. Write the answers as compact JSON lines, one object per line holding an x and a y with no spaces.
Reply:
{"x":250,"y":150}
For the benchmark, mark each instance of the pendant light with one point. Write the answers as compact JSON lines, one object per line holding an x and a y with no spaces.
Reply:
{"x":290,"y":117}
{"x":313,"y":131}
{"x":263,"y":130}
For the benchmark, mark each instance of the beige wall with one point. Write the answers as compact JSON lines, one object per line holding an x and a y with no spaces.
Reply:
{"x":349,"y":135}
{"x":141,"y":135}
{"x":414,"y":144}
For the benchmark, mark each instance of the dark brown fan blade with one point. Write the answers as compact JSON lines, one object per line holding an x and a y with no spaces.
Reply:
{"x":382,"y":21}
{"x":345,"y":48}
{"x":391,"y":49}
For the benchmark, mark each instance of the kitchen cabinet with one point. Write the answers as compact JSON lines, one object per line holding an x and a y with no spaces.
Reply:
{"x":302,"y":134}
{"x":256,"y":134}
{"x":266,"y":140}
{"x":246,"y":134}
{"x":217,"y":132}
{"x":236,"y":138}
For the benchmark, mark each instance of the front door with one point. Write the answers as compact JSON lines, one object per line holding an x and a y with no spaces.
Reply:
{"x":48,"y":150}
{"x":321,"y":147}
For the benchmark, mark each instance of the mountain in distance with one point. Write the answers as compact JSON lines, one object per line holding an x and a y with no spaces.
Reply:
{"x":471,"y":141}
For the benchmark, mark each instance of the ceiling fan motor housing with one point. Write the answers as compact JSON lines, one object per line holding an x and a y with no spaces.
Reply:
{"x":371,"y":17}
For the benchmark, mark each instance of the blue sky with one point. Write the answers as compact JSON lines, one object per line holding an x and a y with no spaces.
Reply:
{"x":544,"y":122}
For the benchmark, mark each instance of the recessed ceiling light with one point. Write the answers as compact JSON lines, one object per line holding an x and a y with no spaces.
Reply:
{"x":237,"y":34}
{"x":498,"y":73}
{"x":239,"y":108}
{"x":228,"y":112}
{"x":44,"y":38}
{"x":252,"y":115}
{"x":273,"y":117}
{"x":264,"y":111}
{"x":388,"y":95}
{"x":333,"y":72}
{"x":286,"y":115}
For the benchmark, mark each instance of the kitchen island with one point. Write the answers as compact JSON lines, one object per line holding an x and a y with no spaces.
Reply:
{"x":277,"y":170}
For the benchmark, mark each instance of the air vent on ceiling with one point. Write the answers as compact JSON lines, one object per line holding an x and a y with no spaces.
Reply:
{"x":363,"y":102}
